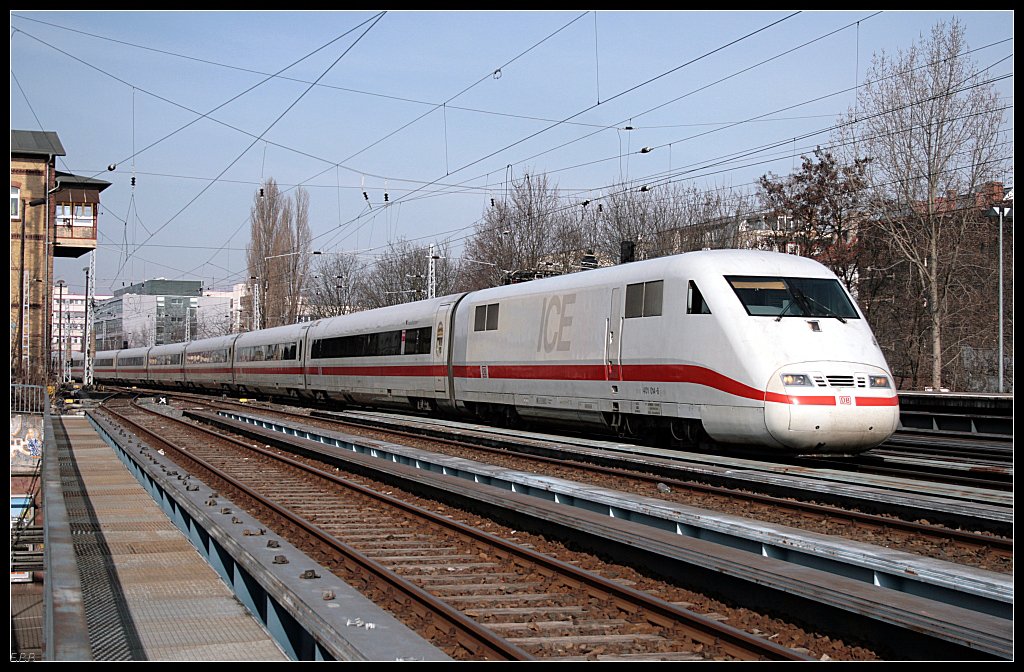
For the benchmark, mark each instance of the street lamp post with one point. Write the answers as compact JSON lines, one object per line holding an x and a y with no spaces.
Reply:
{"x":999,"y":211}
{"x":87,"y":338}
{"x":60,"y":326}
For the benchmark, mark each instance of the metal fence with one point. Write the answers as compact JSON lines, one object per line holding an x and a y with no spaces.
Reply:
{"x":31,"y":399}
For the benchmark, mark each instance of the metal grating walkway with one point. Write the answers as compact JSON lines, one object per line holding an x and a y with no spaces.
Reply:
{"x":148,"y":594}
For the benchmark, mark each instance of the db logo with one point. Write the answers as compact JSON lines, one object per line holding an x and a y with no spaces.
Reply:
{"x":845,"y":401}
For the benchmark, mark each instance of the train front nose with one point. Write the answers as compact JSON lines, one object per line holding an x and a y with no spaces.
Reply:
{"x":829,"y":407}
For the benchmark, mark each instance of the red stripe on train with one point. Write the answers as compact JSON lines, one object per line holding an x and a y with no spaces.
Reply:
{"x":639,"y":373}
{"x":877,"y":401}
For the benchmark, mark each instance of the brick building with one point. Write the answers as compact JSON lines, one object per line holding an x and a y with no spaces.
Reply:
{"x":53,"y":214}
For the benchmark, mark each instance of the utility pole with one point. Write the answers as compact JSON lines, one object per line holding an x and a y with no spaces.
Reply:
{"x":60,"y":327}
{"x":87,"y":339}
{"x":431,"y":285}
{"x":255,"y":303}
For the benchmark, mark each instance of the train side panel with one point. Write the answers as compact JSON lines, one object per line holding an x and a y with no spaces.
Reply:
{"x":131,"y":366}
{"x":208,"y":364}
{"x":395,"y":356}
{"x":269,"y":361}
{"x":167,"y":365}
{"x":103,"y":370}
{"x":537,"y":349}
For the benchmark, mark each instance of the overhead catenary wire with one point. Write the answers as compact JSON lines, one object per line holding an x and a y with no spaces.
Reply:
{"x":266,"y":130}
{"x":461,"y":188}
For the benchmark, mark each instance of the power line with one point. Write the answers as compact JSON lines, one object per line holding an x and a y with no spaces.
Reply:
{"x":265,"y":131}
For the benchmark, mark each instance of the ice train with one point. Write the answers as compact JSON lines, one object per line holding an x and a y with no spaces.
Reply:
{"x":719,"y":346}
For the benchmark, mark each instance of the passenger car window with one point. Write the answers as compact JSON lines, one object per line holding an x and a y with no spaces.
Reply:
{"x":486,"y":317}
{"x":644,"y":299}
{"x":695,"y":304}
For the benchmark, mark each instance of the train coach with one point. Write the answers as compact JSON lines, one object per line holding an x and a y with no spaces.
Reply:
{"x":724,"y":346}
{"x":742,"y":346}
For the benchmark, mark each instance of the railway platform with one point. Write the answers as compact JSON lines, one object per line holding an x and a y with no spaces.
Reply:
{"x":123,"y":580}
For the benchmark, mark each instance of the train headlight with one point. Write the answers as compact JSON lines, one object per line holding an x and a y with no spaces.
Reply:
{"x":879,"y":381}
{"x":796,"y":379}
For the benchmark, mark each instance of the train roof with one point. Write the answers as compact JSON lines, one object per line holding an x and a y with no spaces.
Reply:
{"x":212,"y":343}
{"x":689,"y":265}
{"x":167,"y":348}
{"x":279,"y":334}
{"x":132,"y":352}
{"x":411,"y":314}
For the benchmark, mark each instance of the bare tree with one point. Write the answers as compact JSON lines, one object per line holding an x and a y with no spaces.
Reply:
{"x":930,"y":123}
{"x":400,"y":275}
{"x":298,"y":273}
{"x":699,"y":218}
{"x":634,"y":215}
{"x":519,"y":233}
{"x":210,"y":326}
{"x":278,"y":253}
{"x":334,"y":286}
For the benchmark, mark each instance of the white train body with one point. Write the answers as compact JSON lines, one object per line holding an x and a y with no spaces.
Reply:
{"x":208,"y":364}
{"x":167,"y":364}
{"x":385,"y":357}
{"x":746,"y":347}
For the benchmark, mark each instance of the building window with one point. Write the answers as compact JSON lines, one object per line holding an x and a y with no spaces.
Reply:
{"x":74,"y":214}
{"x":83,"y":215}
{"x":15,"y":203}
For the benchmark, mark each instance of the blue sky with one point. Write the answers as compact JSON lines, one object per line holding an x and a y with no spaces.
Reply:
{"x":438,"y":109}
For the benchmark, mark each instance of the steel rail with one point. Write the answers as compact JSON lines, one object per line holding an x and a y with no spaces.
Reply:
{"x":733,"y":640}
{"x":471,"y":635}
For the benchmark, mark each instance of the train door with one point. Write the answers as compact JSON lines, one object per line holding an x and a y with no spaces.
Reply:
{"x":613,"y":338}
{"x":439,"y":351}
{"x":300,"y":361}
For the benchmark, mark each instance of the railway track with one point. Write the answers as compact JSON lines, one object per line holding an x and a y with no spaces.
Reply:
{"x":842,"y":652}
{"x":955,"y":541}
{"x":477,"y":596}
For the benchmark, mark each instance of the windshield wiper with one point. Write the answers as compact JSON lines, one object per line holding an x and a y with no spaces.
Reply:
{"x":828,"y":311}
{"x":786,"y":309}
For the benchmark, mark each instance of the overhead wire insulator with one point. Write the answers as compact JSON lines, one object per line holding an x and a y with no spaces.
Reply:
{"x":366,"y":197}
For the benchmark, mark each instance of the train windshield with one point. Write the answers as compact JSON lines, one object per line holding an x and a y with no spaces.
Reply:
{"x":792,"y":297}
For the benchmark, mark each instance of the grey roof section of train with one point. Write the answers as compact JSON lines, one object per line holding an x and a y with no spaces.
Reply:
{"x":702,"y":262}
